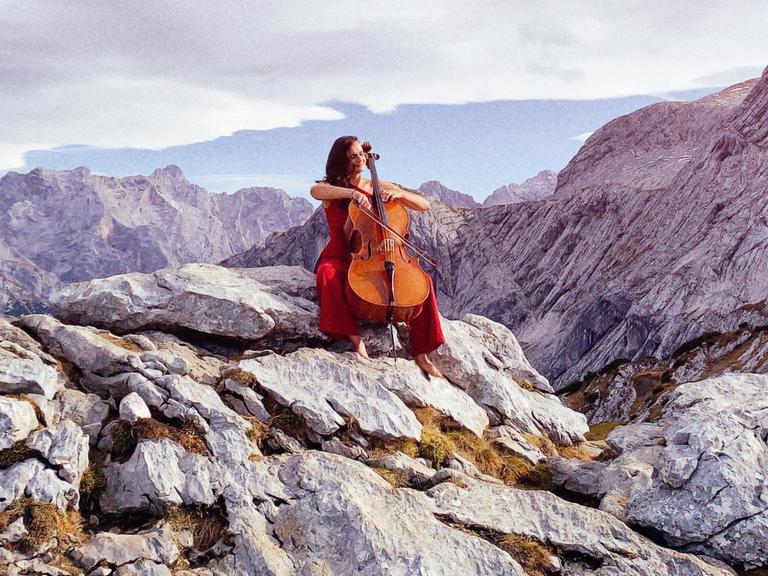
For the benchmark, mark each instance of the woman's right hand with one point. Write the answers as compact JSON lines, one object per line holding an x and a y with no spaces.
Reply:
{"x":360,"y":199}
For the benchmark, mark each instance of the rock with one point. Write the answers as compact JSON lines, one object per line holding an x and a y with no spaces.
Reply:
{"x":240,"y":303}
{"x":628,"y":438}
{"x":155,"y":545}
{"x":250,"y":402}
{"x":536,"y":188}
{"x":86,"y":410}
{"x":65,"y":446}
{"x":143,"y":568}
{"x":157,"y":475}
{"x":17,"y":420}
{"x":360,"y":525}
{"x":485,"y":360}
{"x":323,"y":388}
{"x":32,"y":479}
{"x":601,"y":542}
{"x":21,"y":375}
{"x":336,"y":446}
{"x":414,"y":471}
{"x":708,"y":486}
{"x":512,"y":440}
{"x":132,"y":407}
{"x":16,"y":531}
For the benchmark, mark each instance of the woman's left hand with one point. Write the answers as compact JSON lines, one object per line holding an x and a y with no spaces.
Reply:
{"x":391,"y":194}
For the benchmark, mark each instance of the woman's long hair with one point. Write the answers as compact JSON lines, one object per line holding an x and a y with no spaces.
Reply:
{"x":337,"y":165}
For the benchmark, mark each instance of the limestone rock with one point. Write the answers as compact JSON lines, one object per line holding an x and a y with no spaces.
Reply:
{"x":324,"y":388}
{"x":32,"y":479}
{"x":26,"y":376}
{"x":485,"y":360}
{"x":17,"y":420}
{"x":86,"y":410}
{"x":132,"y":407}
{"x":157,"y":475}
{"x":360,"y":525}
{"x":240,"y":303}
{"x":155,"y":545}
{"x":65,"y":446}
{"x":602,"y":543}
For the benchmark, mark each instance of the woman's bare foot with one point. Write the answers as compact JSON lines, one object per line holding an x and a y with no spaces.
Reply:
{"x":359,"y":346}
{"x":426,"y":364}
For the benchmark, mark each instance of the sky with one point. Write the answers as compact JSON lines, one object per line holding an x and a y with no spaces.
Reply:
{"x":476,"y":94}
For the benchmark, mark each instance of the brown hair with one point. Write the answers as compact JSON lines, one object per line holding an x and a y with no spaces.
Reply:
{"x":337,"y":165}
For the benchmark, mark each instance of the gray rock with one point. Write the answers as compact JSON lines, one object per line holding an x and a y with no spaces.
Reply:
{"x":87,"y":410}
{"x":143,"y":568}
{"x":324,"y":388}
{"x":336,"y":446}
{"x":708,"y":486}
{"x":27,"y":376}
{"x":603,"y":540}
{"x":16,"y":531}
{"x":240,"y":303}
{"x":32,"y":479}
{"x":155,"y":545}
{"x":414,"y":471}
{"x":132,"y":407}
{"x":17,"y":420}
{"x":513,"y":441}
{"x":360,"y":525}
{"x":250,"y":402}
{"x":65,"y":446}
{"x":157,"y":475}
{"x":485,"y":360}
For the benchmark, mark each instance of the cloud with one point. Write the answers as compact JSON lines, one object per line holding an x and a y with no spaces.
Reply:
{"x":581,"y":137}
{"x":728,"y":77}
{"x":148,"y":74}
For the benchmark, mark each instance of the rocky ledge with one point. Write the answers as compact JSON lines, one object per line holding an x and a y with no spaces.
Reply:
{"x":194,"y":421}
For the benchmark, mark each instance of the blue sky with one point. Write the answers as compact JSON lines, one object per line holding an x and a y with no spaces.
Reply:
{"x":474,"y":93}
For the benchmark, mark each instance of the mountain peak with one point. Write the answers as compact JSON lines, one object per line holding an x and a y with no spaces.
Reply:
{"x":171,"y":171}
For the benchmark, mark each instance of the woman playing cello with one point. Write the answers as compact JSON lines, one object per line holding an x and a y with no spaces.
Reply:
{"x":344,"y":184}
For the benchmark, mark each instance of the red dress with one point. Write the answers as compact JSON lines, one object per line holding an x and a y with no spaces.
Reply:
{"x":336,"y":317}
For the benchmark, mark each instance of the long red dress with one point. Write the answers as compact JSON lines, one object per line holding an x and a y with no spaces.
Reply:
{"x":336,"y":317}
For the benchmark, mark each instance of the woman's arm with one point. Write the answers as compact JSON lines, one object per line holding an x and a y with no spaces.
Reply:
{"x":325,"y":191}
{"x":410,"y":200}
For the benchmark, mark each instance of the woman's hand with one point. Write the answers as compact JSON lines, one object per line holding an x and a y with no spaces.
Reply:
{"x":391,"y":194}
{"x":360,"y":199}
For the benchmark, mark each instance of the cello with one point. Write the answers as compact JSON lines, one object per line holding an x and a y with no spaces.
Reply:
{"x":385,"y":283}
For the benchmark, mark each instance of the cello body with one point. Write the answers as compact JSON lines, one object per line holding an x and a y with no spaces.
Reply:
{"x":385,"y":283}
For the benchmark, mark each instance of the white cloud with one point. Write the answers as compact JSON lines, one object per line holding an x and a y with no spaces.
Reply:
{"x":581,"y":137}
{"x":149,"y":74}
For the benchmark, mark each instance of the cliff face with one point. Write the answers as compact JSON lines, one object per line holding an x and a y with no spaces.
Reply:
{"x":75,"y":225}
{"x":656,"y":234}
{"x":537,"y":188}
{"x":632,"y":257}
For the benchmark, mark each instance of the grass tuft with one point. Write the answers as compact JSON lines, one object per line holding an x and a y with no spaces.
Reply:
{"x":529,"y":552}
{"x":395,"y":479}
{"x":207,"y":526}
{"x":601,"y":431}
{"x":15,"y":454}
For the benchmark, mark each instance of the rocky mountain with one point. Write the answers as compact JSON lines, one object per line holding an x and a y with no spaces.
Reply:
{"x":73,"y":225}
{"x":536,"y":188}
{"x":657,"y":233}
{"x":434,"y":190}
{"x":192,"y":421}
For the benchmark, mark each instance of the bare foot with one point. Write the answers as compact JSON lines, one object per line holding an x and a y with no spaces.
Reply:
{"x":426,"y":364}
{"x":359,"y":346}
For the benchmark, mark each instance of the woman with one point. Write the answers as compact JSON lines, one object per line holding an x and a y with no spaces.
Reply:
{"x":344,"y":183}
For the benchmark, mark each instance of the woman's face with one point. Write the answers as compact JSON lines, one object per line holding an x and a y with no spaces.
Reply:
{"x":356,"y":158}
